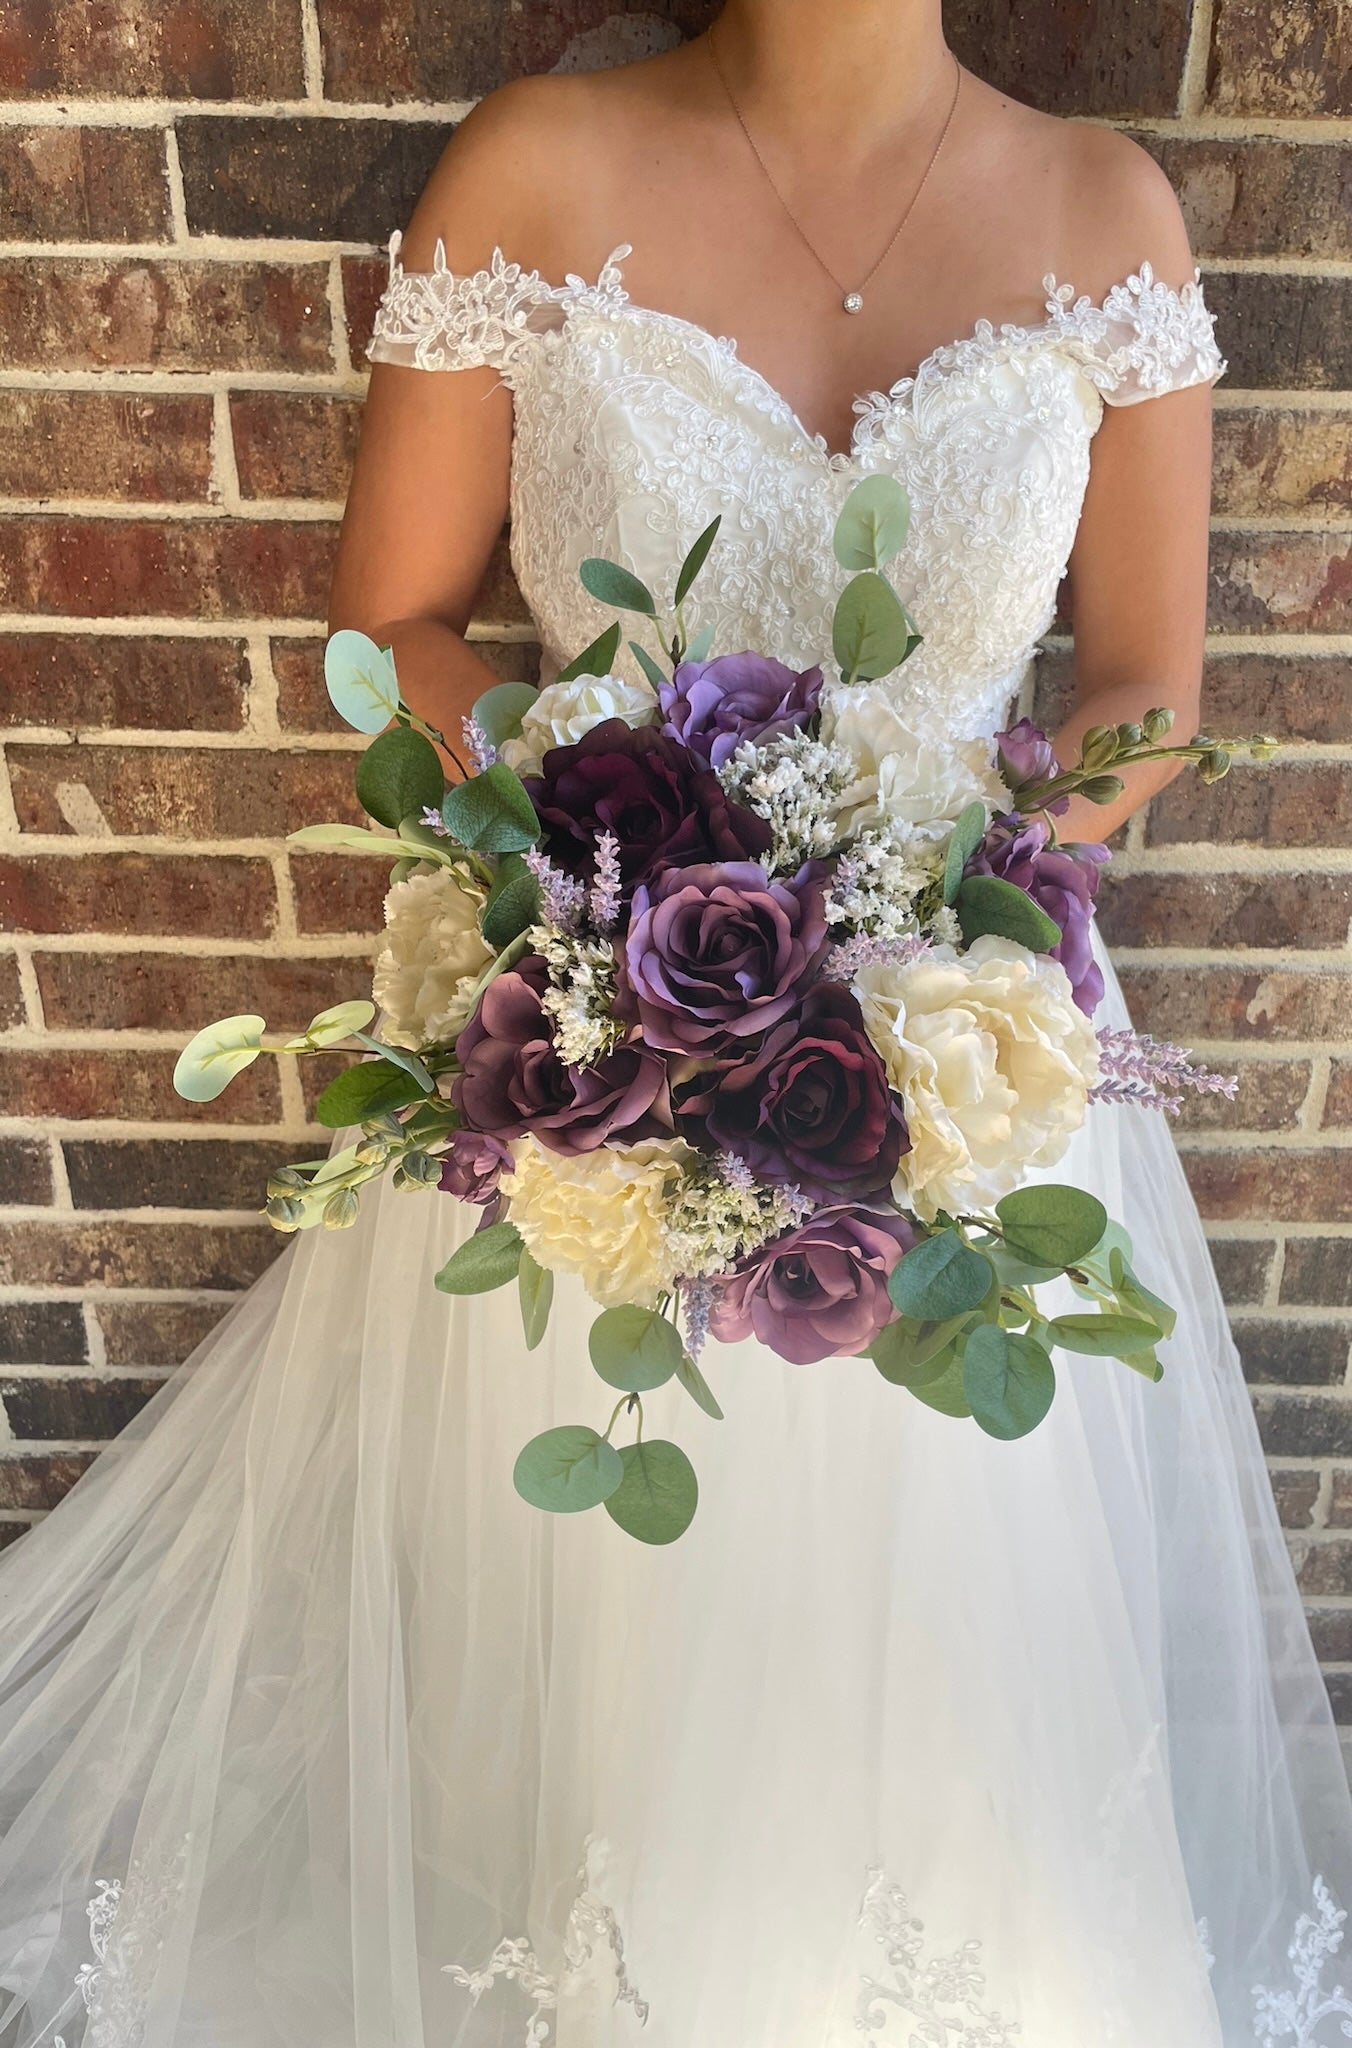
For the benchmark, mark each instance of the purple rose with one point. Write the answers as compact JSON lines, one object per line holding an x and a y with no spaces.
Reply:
{"x":1062,"y":881}
{"x":471,"y":1166}
{"x":712,"y":706}
{"x":811,"y":1106}
{"x":717,"y":954}
{"x":660,"y":801}
{"x":820,"y":1291}
{"x":513,"y":1081}
{"x":1027,"y":755}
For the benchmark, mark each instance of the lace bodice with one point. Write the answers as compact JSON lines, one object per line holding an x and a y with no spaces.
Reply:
{"x":633,"y":427}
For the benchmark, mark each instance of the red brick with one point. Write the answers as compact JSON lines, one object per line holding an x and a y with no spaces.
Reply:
{"x":1298,"y":805}
{"x":30,"y":1480}
{"x":1338,"y":1104}
{"x":11,"y":993}
{"x":1243,"y":1268}
{"x":73,"y":1408}
{"x":135,"y":1254}
{"x":179,"y":49}
{"x":98,"y":444}
{"x":1283,"y":582}
{"x":499,"y":602}
{"x":1306,"y":1425}
{"x":1318,"y":1272}
{"x":306,"y":178}
{"x":134,"y":681}
{"x":175,"y":1173}
{"x":294,"y":444}
{"x":135,"y":1087}
{"x":92,"y":991}
{"x":25,"y":1171}
{"x":1331,"y":1631}
{"x":128,"y":313}
{"x":1269,"y":1098}
{"x":1296,"y":1490}
{"x":1285,"y":1353}
{"x":84,"y":184}
{"x":1226,"y":910}
{"x":1280,"y":57}
{"x":42,"y":1333}
{"x":1273,"y":1185}
{"x":1259,"y":195}
{"x":150,"y":1333}
{"x":303,"y":703}
{"x":336,"y":893}
{"x":1291,"y":696}
{"x":1276,"y":1005}
{"x":181,"y":793}
{"x":1283,"y":332}
{"x":206,"y":894}
{"x":194,"y":568}
{"x":1271,"y":463}
{"x":364,"y":279}
{"x":1340,"y":1511}
{"x":1324,"y":1568}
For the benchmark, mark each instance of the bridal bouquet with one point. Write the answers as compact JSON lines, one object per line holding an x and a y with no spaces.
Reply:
{"x":749,"y":1003}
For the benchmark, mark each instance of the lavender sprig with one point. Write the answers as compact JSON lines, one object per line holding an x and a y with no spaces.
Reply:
{"x":604,"y":899}
{"x":562,"y":897}
{"x":697,"y":1300}
{"x":843,"y":962}
{"x":1134,"y":1067}
{"x":432,"y":818}
{"x":478,"y":745}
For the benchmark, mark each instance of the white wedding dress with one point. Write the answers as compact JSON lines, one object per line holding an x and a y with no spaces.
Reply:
{"x":314,"y":1735}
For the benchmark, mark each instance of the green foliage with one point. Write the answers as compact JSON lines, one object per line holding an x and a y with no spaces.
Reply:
{"x":568,"y":1469}
{"x":647,"y":664}
{"x":1009,"y":1381}
{"x":699,"y":647}
{"x":1052,"y":1225}
{"x":211,"y":1059}
{"x":698,"y":1388}
{"x":872,"y":632}
{"x":696,"y":559}
{"x":943,"y":1389}
{"x":360,"y":839}
{"x":513,"y":902}
{"x":611,"y":584}
{"x":634,"y":1349}
{"x":500,"y":710}
{"x":968,"y":834}
{"x":535,"y":1284}
{"x":399,"y":776}
{"x":407,"y":1062}
{"x":368,"y":1089}
{"x":942,"y":1277}
{"x":596,"y":660}
{"x":908,"y":1353}
{"x":1103,"y":1336}
{"x":491,"y":813}
{"x":658,"y":1494}
{"x":985,"y":903}
{"x":487,"y":1260}
{"x":873,"y":524}
{"x":361,"y":682}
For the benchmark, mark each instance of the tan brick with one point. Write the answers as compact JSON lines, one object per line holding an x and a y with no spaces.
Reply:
{"x":88,"y":680}
{"x":1272,"y":463}
{"x":133,"y":1086}
{"x":135,"y":1254}
{"x":1275,"y":1006}
{"x":97,"y":444}
{"x":1277,"y":1185}
{"x":211,"y":896}
{"x":155,"y":1333}
{"x":1281,"y":57}
{"x":93,"y":991}
{"x":303,"y":703}
{"x":1272,"y":805}
{"x":180,"y":793}
{"x":1324,"y":1568}
{"x":83,"y":184}
{"x":1226,"y":910}
{"x":197,"y":568}
{"x":1258,"y":195}
{"x":1296,"y":1489}
{"x":186,"y":49}
{"x":127,"y":313}
{"x":1283,"y":582}
{"x":1340,"y":1515}
{"x":294,"y":444}
{"x":1338,"y":1105}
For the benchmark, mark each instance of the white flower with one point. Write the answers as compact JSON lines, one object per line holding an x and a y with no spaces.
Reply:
{"x":563,"y":712}
{"x":901,"y":774}
{"x":431,"y":955}
{"x":794,"y":782}
{"x":993,"y":1061}
{"x":601,"y":1214}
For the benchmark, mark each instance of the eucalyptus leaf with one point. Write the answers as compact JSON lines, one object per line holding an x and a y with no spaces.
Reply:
{"x":909,"y":1352}
{"x":568,"y":1469}
{"x":500,"y":710}
{"x":513,"y":902}
{"x":362,"y":1091}
{"x":1009,"y":1381}
{"x":873,"y":524}
{"x":650,"y":668}
{"x":612,"y":584}
{"x":657,"y":1497}
{"x":968,"y":834}
{"x":872,"y":632}
{"x":333,"y":1025}
{"x":988,"y":904}
{"x":358,"y":839}
{"x":398,"y":1056}
{"x":1052,"y":1225}
{"x":487,"y":1260}
{"x":596,"y":660}
{"x":491,"y":813}
{"x":211,"y":1059}
{"x":535,"y":1284}
{"x":698,"y":1388}
{"x":634,"y":1349}
{"x":1104,"y":1336}
{"x":696,"y":559}
{"x":398,"y":775}
{"x":360,"y":680}
{"x":941,"y":1277}
{"x":699,"y":647}
{"x":1137,"y":1299}
{"x":944,"y":1391}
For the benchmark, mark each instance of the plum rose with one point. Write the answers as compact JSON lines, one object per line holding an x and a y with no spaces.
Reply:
{"x":512,"y":1080}
{"x":715,"y":955}
{"x":712,"y":706}
{"x":471,"y":1166}
{"x":820,"y":1291}
{"x":1062,"y":881}
{"x":811,"y":1106}
{"x":661,"y":803}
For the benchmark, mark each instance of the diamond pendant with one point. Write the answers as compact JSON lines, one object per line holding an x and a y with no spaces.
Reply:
{"x":853,"y":302}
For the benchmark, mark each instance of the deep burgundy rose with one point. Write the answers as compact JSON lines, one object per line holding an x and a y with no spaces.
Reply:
{"x":715,"y":955}
{"x":660,"y":801}
{"x":471,"y":1166}
{"x":810,"y":1107}
{"x":1027,"y":755}
{"x":513,"y":1081}
{"x":820,"y":1291}
{"x":1062,"y":880}
{"x":712,"y":706}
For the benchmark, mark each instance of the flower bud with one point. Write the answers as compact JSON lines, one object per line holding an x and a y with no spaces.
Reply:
{"x":284,"y":1212}
{"x":340,"y":1211}
{"x":1130,"y":735}
{"x":1102,"y":789}
{"x":1214,"y":766}
{"x":1157,"y":723}
{"x":1098,"y":747}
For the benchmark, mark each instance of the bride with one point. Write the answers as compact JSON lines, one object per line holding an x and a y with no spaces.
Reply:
{"x":312,"y":1733}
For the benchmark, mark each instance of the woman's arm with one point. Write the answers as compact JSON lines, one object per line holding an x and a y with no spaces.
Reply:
{"x":1137,"y":581}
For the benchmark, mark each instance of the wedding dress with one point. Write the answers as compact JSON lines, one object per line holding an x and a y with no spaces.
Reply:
{"x":314,"y":1735}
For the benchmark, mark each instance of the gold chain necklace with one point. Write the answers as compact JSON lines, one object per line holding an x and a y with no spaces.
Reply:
{"x":852,"y":299}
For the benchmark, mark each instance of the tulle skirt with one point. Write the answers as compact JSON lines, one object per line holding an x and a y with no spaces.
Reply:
{"x":314,"y":1735}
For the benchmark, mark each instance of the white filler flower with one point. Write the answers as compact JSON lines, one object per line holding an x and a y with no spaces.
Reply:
{"x":601,"y":1214}
{"x":431,"y":955}
{"x":904,"y":776}
{"x":993,"y":1061}
{"x":563,"y":712}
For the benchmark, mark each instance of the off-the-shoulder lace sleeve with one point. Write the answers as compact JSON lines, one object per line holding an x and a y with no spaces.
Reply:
{"x":1145,"y":339}
{"x":439,"y":319}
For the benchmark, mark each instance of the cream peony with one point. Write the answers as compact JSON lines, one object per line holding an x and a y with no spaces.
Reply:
{"x":601,"y":1214}
{"x":903,"y":775}
{"x":993,"y":1061}
{"x":563,"y":712}
{"x":431,"y":956}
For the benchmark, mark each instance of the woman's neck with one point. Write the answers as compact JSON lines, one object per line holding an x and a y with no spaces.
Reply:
{"x":856,"y":70}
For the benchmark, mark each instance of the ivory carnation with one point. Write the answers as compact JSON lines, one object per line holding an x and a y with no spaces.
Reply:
{"x":902,"y":776}
{"x":563,"y":712}
{"x":601,"y":1214}
{"x":431,"y":955}
{"x":993,"y":1061}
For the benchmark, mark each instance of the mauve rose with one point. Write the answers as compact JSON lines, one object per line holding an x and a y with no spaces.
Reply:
{"x":811,"y":1106}
{"x":471,"y":1165}
{"x":820,"y":1291}
{"x":513,"y":1081}
{"x":661,"y":803}
{"x":1062,"y":880}
{"x":712,"y":706}
{"x":1027,"y":755}
{"x":717,"y":954}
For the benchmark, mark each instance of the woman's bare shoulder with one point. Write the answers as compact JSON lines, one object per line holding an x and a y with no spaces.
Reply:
{"x":1121,"y":212}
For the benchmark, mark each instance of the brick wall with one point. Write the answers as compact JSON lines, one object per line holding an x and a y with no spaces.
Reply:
{"x":190,"y":195}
